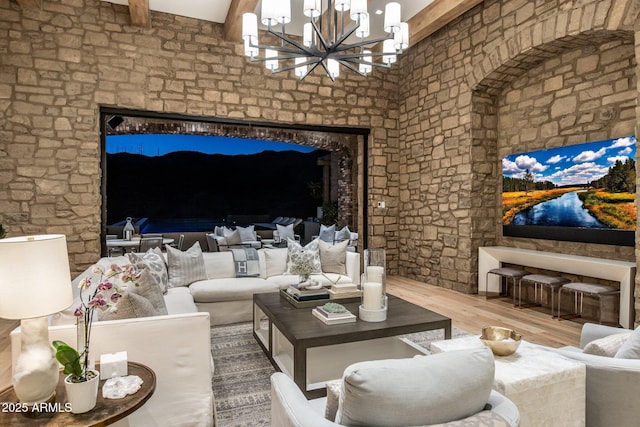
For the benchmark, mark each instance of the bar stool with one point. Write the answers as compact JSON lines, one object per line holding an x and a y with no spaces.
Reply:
{"x":583,"y":289}
{"x":515,"y":274}
{"x":552,"y":282}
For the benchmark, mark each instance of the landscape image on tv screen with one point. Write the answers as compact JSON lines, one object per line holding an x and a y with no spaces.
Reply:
{"x":586,"y":186}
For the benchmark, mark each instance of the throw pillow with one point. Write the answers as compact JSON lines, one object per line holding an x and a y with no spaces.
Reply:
{"x":247,"y":234}
{"x":154,"y":264}
{"x":343,"y":234}
{"x":607,"y":346}
{"x":285,"y":232}
{"x":296,"y":253}
{"x":185,"y":267}
{"x":233,"y":238}
{"x":333,"y":258}
{"x":275,"y":261}
{"x":631,"y":348}
{"x":138,"y":301}
{"x":327,"y":234}
{"x":429,"y":389}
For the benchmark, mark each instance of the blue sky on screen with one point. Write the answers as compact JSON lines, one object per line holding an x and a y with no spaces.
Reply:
{"x":573,"y":164}
{"x":158,"y":145}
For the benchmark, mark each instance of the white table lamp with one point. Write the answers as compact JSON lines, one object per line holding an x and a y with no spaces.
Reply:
{"x":34,"y":282}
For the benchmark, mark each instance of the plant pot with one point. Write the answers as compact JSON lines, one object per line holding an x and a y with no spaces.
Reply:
{"x":82,"y":396}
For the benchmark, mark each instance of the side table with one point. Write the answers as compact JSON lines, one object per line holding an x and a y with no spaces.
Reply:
{"x":548,"y":388}
{"x":106,"y":411}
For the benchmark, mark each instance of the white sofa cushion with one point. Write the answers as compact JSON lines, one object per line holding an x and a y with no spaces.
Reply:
{"x":234,"y":289}
{"x":179,"y":301}
{"x":218,"y":265}
{"x":185,"y":267}
{"x":333,"y":257}
{"x":424,"y":390}
{"x":155,"y":264}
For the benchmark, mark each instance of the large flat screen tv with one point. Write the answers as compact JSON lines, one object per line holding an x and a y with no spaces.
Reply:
{"x":582,"y":193}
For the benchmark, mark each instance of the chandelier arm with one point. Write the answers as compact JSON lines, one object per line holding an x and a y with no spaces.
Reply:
{"x":351,"y":67}
{"x":319,"y":35}
{"x":362,"y":43}
{"x":291,"y":41}
{"x":327,"y":71}
{"x":353,"y":61}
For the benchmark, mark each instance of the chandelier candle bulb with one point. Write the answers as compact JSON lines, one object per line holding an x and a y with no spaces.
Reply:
{"x":401,"y":38}
{"x":301,"y":71}
{"x":312,"y":8}
{"x":250,"y":50}
{"x":359,"y":7}
{"x":343,"y":5}
{"x":249,"y":26}
{"x":366,"y":68}
{"x":363,"y":30}
{"x":334,"y":68}
{"x":392,"y":17}
{"x":271,"y":64}
{"x":389,"y":51}
{"x":307,"y":34}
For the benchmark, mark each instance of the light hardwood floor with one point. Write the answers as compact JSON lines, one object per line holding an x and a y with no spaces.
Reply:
{"x":468,"y":312}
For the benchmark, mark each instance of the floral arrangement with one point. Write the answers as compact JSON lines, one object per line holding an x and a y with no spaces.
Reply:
{"x":303,"y":267}
{"x":105,"y":297}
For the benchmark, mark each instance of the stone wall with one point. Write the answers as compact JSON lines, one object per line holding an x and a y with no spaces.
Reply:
{"x":570,"y":63}
{"x":58,"y":65}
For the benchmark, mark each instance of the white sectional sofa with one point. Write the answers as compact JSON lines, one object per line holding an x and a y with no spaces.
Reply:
{"x":177,"y":346}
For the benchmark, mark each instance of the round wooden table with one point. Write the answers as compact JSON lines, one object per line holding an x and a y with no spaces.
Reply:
{"x":106,"y":411}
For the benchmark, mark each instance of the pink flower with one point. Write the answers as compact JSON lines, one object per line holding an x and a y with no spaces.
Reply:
{"x":97,"y":301}
{"x":78,"y":312}
{"x":85,"y":283}
{"x":105,"y":286}
{"x":115,"y":297}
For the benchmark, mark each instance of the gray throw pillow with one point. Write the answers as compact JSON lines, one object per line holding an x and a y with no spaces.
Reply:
{"x":631,"y":347}
{"x":142,"y":300}
{"x":333,"y":258}
{"x":247,"y":234}
{"x":153,"y":263}
{"x":327,"y":234}
{"x":185,"y":267}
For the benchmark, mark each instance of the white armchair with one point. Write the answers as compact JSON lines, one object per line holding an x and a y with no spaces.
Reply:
{"x":613,"y":384}
{"x":452,"y":388}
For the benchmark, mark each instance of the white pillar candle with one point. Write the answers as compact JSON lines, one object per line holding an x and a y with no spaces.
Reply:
{"x":375,"y":273}
{"x":372,"y":295}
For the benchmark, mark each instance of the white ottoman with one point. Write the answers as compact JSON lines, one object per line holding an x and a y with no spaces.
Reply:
{"x":549,"y":389}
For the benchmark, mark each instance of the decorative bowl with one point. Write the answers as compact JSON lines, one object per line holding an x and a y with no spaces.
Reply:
{"x":501,"y":341}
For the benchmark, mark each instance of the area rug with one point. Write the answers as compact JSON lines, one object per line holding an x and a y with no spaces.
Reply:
{"x":241,"y":385}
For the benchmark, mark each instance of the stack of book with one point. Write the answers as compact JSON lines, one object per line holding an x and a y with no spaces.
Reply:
{"x":333,"y":318}
{"x":307,"y":294}
{"x":344,"y":290}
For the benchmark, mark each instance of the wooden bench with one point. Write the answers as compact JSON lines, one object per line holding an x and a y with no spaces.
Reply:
{"x":618,"y":271}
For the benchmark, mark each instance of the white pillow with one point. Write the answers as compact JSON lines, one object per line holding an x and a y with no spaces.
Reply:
{"x":343,"y":234}
{"x":154,"y":263}
{"x":247,"y":234}
{"x":285,"y":232}
{"x":333,"y":258}
{"x":607,"y":346}
{"x":185,"y":267}
{"x":631,"y":348}
{"x":295,"y":253}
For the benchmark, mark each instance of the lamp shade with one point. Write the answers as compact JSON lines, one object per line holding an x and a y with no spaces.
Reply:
{"x":392,"y":17}
{"x":34,"y":276}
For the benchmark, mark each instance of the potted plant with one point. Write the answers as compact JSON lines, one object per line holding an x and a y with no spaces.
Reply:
{"x":303,"y":267}
{"x":81,"y":383}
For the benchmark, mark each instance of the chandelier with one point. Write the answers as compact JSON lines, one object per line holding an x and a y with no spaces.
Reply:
{"x":324,"y":41}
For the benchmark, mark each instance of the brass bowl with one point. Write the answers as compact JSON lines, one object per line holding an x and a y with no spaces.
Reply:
{"x":501,"y":341}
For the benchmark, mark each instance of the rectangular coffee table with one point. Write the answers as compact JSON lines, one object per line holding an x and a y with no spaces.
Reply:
{"x":312,"y":353}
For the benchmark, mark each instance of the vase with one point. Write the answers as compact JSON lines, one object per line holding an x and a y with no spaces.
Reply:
{"x":83,"y":395}
{"x":373,"y":306}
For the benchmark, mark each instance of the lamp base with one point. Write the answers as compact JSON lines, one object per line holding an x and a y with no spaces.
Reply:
{"x":379,"y":315}
{"x":35,"y":373}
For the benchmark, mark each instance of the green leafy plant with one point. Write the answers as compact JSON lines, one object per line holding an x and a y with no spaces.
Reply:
{"x":104,"y":297}
{"x":329,"y":213}
{"x":303,"y":267}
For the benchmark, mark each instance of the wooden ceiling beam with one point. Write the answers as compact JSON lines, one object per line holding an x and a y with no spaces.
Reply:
{"x":140,"y":13}
{"x":30,"y":4}
{"x":232,"y":29}
{"x":435,"y":16}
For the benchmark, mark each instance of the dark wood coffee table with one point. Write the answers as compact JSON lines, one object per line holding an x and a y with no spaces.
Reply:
{"x":312,"y":353}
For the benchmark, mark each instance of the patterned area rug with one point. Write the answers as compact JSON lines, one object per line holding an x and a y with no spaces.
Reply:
{"x":241,"y":385}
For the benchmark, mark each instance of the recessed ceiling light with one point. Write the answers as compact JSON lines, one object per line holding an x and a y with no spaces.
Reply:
{"x":379,"y":12}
